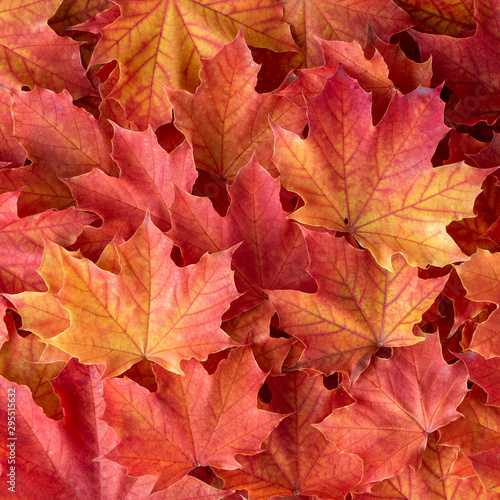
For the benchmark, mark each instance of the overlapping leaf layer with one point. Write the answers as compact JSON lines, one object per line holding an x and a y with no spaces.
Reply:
{"x":250,"y":249}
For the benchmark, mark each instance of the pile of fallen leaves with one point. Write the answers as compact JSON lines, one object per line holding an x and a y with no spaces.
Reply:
{"x":250,"y":249}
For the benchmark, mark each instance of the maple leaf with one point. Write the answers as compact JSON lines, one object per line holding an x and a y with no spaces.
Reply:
{"x":479,"y":428}
{"x":487,"y":467}
{"x":405,"y":74}
{"x":441,"y":16}
{"x":19,"y":362}
{"x":56,"y":459}
{"x":146,"y":172}
{"x":358,"y":308}
{"x":32,"y":54}
{"x":21,"y":242}
{"x":225,"y":121}
{"x":481,"y":278}
{"x":193,"y":420}
{"x":146,"y":35}
{"x":470,"y":66}
{"x":399,"y":402}
{"x":469,"y":233}
{"x":298,"y":460}
{"x":152,"y":309}
{"x":377,"y":172}
{"x":485,"y":373}
{"x":372,"y":75}
{"x":345,"y":20}
{"x":434,"y":479}
{"x":377,"y":182}
{"x":189,"y":488}
{"x":273,"y":253}
{"x":251,"y":328}
{"x":41,"y":313}
{"x":73,"y":143}
{"x":11,"y":152}
{"x":73,"y":12}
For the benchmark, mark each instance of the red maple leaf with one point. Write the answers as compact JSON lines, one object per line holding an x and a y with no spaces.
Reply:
{"x":18,"y":272}
{"x":298,"y":460}
{"x":470,"y":66}
{"x":32,"y":54}
{"x":192,"y":421}
{"x":226,"y":120}
{"x":73,"y":143}
{"x":272,"y":254}
{"x":145,"y":184}
{"x":252,"y":215}
{"x":399,"y":402}
{"x":57,"y":459}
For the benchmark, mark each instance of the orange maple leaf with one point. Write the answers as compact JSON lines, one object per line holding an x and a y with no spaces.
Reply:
{"x":151,"y":309}
{"x":160,"y":42}
{"x":358,"y":307}
{"x":345,"y":20}
{"x":377,"y":182}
